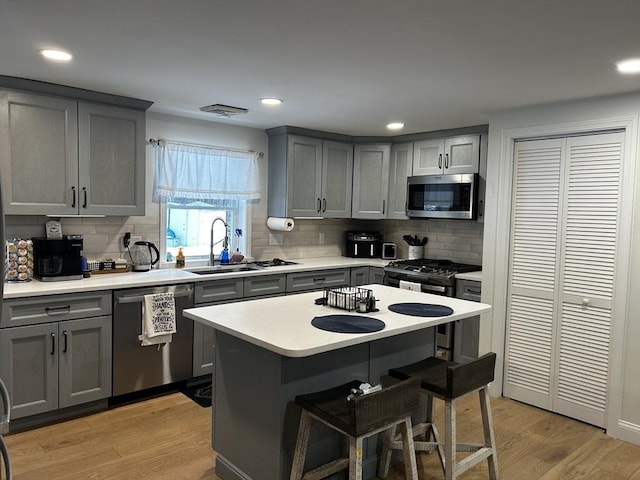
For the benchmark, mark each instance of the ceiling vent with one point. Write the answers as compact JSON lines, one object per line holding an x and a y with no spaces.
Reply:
{"x":224,"y":110}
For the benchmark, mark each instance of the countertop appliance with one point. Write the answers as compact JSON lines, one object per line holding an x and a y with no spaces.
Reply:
{"x":136,"y":367}
{"x":436,"y":277}
{"x":442,"y":196}
{"x":363,"y":244}
{"x":58,"y":259}
{"x":142,"y":256}
{"x":389,"y":251}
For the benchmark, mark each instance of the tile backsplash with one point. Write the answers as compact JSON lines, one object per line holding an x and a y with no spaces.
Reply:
{"x":457,"y":240}
{"x":102,"y":236}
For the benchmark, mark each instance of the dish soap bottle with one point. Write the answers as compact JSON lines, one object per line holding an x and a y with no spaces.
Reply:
{"x":224,"y":256}
{"x":180,"y":258}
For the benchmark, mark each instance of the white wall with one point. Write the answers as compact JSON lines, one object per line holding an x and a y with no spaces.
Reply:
{"x":584,"y":115}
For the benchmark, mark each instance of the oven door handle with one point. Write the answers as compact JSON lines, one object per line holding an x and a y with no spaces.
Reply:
{"x":433,"y":288}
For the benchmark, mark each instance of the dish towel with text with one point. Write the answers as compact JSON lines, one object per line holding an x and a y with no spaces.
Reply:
{"x":158,"y":319}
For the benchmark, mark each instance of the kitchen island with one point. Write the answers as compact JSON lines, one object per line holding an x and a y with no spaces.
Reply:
{"x":267,"y":352}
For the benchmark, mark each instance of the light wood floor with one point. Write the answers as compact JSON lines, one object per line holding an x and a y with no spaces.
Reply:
{"x":168,"y":438}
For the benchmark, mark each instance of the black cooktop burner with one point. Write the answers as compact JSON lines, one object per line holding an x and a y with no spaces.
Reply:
{"x":276,"y":262}
{"x":430,"y":267}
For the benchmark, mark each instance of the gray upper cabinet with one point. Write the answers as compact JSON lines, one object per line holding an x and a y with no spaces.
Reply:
{"x":400,"y":168}
{"x":64,"y":157}
{"x":337,"y":175}
{"x":451,"y":155}
{"x":38,"y":154}
{"x":370,"y":181}
{"x":309,"y":177}
{"x":112,"y":160}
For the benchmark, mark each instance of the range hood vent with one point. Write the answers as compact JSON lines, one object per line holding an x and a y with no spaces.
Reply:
{"x":224,"y":110}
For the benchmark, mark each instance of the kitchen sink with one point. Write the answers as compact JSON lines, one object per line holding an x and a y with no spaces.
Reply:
{"x":240,"y":267}
{"x":208,"y":270}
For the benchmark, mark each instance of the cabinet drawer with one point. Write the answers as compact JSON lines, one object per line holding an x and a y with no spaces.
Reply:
{"x":264,"y":285}
{"x":299,"y":282}
{"x":54,"y":308}
{"x":468,"y":290}
{"x":219,"y":290}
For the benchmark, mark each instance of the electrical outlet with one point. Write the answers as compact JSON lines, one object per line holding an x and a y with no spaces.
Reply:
{"x":321,"y":238}
{"x":131,"y":239}
{"x":275,"y":238}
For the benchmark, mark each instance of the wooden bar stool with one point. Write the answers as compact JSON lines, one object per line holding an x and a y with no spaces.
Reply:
{"x":358,"y":418}
{"x":450,"y":381}
{"x":5,"y":416}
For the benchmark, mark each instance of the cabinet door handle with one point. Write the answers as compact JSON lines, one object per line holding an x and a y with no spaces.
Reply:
{"x":318,"y":279}
{"x":84,"y":193}
{"x":73,"y":198}
{"x":53,"y":344}
{"x":384,"y":206}
{"x":324,"y":205}
{"x":480,"y":208}
{"x":440,"y":161}
{"x":446,"y":161}
{"x":64,"y":334}
{"x":319,"y":205}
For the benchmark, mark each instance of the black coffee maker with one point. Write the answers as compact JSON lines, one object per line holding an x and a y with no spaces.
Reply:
{"x":58,"y":259}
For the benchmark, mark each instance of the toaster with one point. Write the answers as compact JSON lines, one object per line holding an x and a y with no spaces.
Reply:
{"x":389,"y":251}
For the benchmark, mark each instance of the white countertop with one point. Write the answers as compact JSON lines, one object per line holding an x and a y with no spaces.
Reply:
{"x":475,"y":276}
{"x":283,"y":324}
{"x":114,"y":281}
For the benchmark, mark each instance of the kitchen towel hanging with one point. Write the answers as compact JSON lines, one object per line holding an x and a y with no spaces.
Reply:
{"x":280,"y":224}
{"x":158,"y":319}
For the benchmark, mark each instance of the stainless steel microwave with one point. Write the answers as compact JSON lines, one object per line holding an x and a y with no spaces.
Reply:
{"x":443,"y":196}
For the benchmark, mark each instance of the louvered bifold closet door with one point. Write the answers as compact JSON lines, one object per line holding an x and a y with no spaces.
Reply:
{"x":590,"y":218}
{"x":533,"y":271}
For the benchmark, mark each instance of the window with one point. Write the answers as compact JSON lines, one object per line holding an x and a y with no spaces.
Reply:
{"x":195,"y":185}
{"x":189,"y":225}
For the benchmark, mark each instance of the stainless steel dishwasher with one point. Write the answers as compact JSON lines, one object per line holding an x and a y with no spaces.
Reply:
{"x":136,"y":367}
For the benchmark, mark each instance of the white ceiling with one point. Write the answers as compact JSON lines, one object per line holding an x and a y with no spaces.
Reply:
{"x":346,"y":66}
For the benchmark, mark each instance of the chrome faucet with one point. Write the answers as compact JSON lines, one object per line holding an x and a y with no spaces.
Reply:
{"x":225,"y":242}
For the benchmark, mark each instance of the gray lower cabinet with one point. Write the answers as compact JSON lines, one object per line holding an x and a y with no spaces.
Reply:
{"x":66,"y":363}
{"x":359,"y":276}
{"x":376,"y":275}
{"x":366,"y":276}
{"x":466,"y":332}
{"x":64,"y":157}
{"x":307,"y":281}
{"x":210,"y":293}
{"x":263,"y":286}
{"x":226,"y":291}
{"x":55,"y":351}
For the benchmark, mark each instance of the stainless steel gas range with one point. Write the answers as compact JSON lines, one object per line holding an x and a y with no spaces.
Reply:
{"x":430,"y":276}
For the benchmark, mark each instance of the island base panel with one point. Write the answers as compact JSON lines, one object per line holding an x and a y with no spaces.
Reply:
{"x":255,"y":420}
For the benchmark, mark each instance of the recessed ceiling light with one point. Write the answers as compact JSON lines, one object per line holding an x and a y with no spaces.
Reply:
{"x":631,"y":65}
{"x":271,"y":101}
{"x":59,"y":55}
{"x":395,"y":126}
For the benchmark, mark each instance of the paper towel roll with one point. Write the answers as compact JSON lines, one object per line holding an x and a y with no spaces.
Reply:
{"x":280,"y":224}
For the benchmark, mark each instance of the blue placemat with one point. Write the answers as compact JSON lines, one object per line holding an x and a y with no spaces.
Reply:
{"x":421,"y":309}
{"x":347,"y":323}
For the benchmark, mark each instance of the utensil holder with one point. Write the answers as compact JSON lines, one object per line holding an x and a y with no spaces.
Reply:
{"x":415,"y":252}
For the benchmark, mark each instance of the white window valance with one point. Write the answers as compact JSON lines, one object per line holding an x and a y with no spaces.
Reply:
{"x":184,"y":171}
